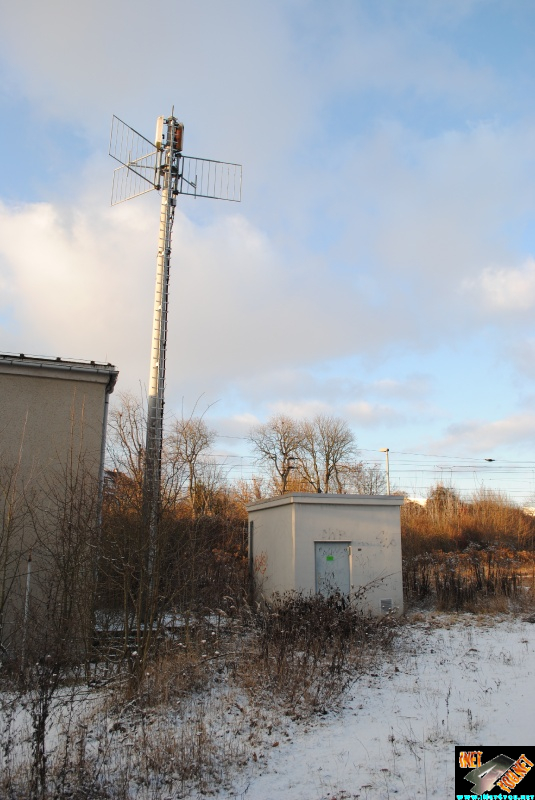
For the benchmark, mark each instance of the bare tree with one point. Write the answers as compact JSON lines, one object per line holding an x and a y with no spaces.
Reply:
{"x":277,"y":444}
{"x":14,"y":545}
{"x":313,"y":455}
{"x":362,"y":479}
{"x":66,"y":525}
{"x":126,"y":452}
{"x":195,"y":528}
{"x":246,"y":492}
{"x":188,"y":443}
{"x":326,"y":444}
{"x":131,"y":565}
{"x":126,"y":442}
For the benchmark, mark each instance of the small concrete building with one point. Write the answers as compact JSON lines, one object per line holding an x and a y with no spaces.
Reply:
{"x":328,"y":543}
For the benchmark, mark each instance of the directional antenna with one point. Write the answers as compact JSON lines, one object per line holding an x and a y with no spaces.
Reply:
{"x":202,"y":177}
{"x":140,"y":162}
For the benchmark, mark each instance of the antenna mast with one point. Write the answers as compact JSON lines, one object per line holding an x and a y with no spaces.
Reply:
{"x":167,"y":170}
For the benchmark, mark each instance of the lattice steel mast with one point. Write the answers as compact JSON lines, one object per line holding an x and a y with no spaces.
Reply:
{"x":167,"y":170}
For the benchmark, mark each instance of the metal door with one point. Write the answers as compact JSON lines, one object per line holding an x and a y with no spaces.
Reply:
{"x":332,"y":567}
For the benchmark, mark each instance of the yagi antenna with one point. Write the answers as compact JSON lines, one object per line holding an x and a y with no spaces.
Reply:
{"x":147,"y":166}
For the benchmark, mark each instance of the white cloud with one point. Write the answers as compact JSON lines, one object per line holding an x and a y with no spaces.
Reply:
{"x":70,"y":286}
{"x":248,"y":420}
{"x":505,"y":289}
{"x":366,"y":414}
{"x":414,"y":388}
{"x":226,"y":68}
{"x":397,"y":53}
{"x":80,"y":283}
{"x":488,"y":437}
{"x":306,"y":409}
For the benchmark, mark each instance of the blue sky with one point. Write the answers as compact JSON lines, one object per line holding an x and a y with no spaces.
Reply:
{"x":381,"y":265}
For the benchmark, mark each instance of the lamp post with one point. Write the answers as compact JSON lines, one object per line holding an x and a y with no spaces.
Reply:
{"x":386,"y":450}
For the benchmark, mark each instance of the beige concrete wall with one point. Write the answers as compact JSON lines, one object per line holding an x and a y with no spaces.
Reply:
{"x":49,"y":418}
{"x":273,"y":550}
{"x":52,"y":424}
{"x":374,"y":532}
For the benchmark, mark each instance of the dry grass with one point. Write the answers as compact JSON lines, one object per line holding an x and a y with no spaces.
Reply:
{"x":309,"y":650}
{"x":478,"y":579}
{"x":220,"y":693}
{"x":467,"y":555}
{"x":449,"y":524}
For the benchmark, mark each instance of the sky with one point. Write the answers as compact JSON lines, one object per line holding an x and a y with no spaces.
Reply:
{"x":381,"y":264}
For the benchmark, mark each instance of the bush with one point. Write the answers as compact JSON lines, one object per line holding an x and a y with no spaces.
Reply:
{"x":310,"y":648}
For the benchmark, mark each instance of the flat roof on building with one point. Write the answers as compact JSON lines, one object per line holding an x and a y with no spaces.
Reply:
{"x":54,"y":367}
{"x":314,"y":498}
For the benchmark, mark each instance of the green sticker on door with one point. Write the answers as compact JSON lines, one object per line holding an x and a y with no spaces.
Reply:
{"x":330,"y":558}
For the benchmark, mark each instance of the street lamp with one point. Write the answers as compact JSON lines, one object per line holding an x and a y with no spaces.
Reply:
{"x":386,"y":450}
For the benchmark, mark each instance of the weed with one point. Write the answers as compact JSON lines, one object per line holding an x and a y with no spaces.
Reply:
{"x":309,"y":649}
{"x":209,"y":701}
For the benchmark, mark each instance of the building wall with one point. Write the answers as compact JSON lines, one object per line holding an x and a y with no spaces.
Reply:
{"x":52,"y":432}
{"x":272,"y":546}
{"x":371,"y":525}
{"x":48,"y":416}
{"x":374,"y":532}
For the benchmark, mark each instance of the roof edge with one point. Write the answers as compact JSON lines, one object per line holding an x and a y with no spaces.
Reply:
{"x":44,"y":364}
{"x":311,"y":498}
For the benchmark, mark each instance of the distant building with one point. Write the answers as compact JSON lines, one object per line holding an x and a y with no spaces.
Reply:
{"x":53,"y":416}
{"x":329,"y":543}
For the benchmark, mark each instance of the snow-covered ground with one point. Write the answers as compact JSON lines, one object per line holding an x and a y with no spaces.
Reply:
{"x":449,"y":680}
{"x":459,"y":679}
